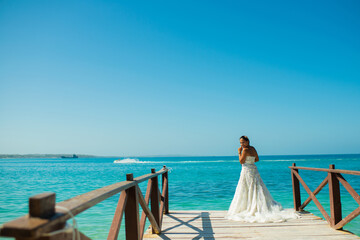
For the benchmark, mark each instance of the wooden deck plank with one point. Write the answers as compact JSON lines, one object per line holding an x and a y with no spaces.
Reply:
{"x":202,"y":224}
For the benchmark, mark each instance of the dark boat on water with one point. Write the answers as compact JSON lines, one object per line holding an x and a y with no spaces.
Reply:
{"x":73,"y":156}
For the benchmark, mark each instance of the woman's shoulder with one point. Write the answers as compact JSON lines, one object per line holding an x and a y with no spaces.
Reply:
{"x":253,"y":148}
{"x":249,"y":150}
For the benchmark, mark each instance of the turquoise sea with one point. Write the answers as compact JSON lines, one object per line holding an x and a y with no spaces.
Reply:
{"x":206,"y":183}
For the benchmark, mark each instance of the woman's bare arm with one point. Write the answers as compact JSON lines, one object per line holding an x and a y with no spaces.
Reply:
{"x":243,"y":155}
{"x":239,"y":151}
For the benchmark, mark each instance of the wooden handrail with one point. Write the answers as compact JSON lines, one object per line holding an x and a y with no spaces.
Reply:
{"x":351,"y":172}
{"x":333,"y":178}
{"x":44,"y":217}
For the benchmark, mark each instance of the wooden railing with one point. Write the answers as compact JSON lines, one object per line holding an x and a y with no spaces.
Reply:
{"x":46,"y":220}
{"x":333,"y":178}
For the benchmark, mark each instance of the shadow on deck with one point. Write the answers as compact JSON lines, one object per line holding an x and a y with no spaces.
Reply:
{"x":209,"y":225}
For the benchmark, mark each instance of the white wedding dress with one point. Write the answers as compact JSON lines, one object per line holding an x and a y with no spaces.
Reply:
{"x":253,"y":202}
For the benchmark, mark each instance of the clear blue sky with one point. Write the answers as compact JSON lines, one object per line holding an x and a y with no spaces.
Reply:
{"x":179,"y":77}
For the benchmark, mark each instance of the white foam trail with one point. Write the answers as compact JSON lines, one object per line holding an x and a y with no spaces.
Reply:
{"x":127,"y":160}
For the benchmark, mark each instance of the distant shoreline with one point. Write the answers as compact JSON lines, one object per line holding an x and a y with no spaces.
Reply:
{"x":55,"y":156}
{"x":7,"y":156}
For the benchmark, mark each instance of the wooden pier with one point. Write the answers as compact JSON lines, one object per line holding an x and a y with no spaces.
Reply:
{"x":181,"y":225}
{"x":47,"y":219}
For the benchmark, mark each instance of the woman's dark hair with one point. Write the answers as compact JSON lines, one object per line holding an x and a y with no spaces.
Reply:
{"x":245,"y":138}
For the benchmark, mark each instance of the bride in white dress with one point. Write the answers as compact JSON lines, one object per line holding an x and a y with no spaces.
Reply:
{"x":252,"y":201}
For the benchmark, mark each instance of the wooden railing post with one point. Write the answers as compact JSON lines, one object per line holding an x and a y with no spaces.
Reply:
{"x":46,"y":217}
{"x":154,"y":197}
{"x":335,"y":201}
{"x":42,"y":205}
{"x":166,"y":200}
{"x":132,"y":226}
{"x":296,"y":189}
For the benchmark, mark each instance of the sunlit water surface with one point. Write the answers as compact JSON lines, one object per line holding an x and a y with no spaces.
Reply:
{"x":206,"y":183}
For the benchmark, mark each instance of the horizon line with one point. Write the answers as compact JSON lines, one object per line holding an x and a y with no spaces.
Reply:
{"x":170,"y":155}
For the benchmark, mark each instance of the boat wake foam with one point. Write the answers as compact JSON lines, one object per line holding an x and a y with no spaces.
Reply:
{"x":128,"y":160}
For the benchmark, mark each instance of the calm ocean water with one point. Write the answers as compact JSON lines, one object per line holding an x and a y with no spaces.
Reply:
{"x":206,"y":183}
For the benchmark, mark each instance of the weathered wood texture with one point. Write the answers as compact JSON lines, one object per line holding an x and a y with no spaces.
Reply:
{"x":165,"y":177}
{"x":143,"y":214}
{"x":132,"y":212}
{"x":147,"y":211}
{"x":328,"y":170}
{"x":333,"y":178}
{"x":210,"y":225}
{"x":45,"y":216}
{"x":296,"y":189}
{"x":334,"y":195}
{"x":119,"y":212}
{"x":42,"y":205}
{"x":155,"y":201}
